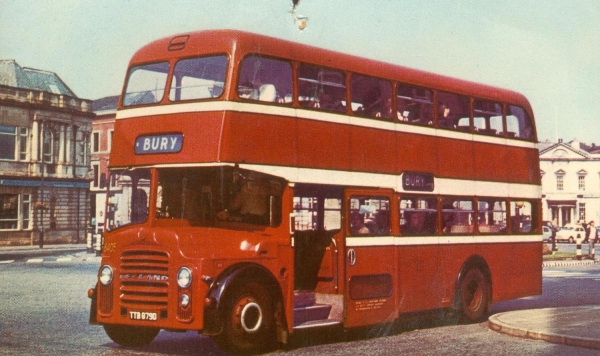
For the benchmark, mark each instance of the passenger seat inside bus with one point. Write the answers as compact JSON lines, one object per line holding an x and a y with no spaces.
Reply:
{"x":267,"y":92}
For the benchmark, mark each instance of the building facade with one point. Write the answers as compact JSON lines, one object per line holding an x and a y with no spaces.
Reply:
{"x":44,"y":158}
{"x":570,"y":182}
{"x":103,"y":125}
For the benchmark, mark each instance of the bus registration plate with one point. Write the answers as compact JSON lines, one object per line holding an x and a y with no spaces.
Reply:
{"x":136,"y":315}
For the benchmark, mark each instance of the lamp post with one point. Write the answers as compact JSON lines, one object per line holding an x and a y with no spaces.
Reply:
{"x":42,"y":186}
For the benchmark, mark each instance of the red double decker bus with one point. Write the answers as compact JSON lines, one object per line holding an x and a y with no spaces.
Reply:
{"x":264,"y":186}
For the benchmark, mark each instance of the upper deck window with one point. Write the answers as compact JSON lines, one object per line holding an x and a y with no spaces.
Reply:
{"x":146,"y":84}
{"x":198,"y":78}
{"x":487,"y":117}
{"x":415,"y":105}
{"x":321,"y":88}
{"x":371,"y":97}
{"x":265,"y":79}
{"x":453,"y":111}
{"x":518,"y":123}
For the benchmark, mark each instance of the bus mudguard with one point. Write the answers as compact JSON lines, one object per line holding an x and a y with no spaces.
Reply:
{"x":234,"y":277}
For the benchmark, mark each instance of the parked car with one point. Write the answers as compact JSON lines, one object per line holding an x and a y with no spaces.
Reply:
{"x":550,"y":225}
{"x":547,"y":233}
{"x":570,"y":234}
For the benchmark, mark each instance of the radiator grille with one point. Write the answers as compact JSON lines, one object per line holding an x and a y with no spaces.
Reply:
{"x":105,"y":298}
{"x":144,"y":278}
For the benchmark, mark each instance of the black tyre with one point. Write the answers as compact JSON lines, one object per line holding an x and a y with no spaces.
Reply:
{"x":249,"y":321}
{"x":130,"y":336}
{"x":571,"y":240}
{"x":474,"y":296}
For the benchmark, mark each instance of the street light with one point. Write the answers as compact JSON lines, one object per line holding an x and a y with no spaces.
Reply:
{"x":42,"y":206}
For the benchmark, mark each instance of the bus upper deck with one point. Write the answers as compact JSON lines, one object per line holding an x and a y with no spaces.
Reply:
{"x":229,"y":96}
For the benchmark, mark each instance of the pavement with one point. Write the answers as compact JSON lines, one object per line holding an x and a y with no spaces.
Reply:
{"x":574,"y":326}
{"x":23,"y":252}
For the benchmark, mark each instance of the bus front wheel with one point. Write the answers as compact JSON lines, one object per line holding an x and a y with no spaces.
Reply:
{"x":130,"y":336}
{"x":249,"y":321}
{"x":474,"y":296}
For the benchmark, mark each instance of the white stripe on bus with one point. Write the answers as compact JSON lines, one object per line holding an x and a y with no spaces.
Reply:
{"x":438,"y":240}
{"x":317,"y":116}
{"x":442,"y":186}
{"x":361,"y":179}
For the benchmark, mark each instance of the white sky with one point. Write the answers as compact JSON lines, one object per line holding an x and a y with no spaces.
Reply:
{"x":547,"y":50}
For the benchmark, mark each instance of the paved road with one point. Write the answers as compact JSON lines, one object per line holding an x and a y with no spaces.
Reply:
{"x":44,"y":311}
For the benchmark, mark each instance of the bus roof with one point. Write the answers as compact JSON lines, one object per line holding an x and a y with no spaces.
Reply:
{"x":239,"y":43}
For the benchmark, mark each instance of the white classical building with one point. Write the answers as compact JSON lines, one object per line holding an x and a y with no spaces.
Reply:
{"x":570,"y":182}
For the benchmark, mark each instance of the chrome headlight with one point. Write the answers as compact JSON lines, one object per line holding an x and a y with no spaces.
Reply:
{"x":184,"y":277}
{"x":106,"y":275}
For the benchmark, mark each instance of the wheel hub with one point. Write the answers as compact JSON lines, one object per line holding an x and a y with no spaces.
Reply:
{"x":251,"y":317}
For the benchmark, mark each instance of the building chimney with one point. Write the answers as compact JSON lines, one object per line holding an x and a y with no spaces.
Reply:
{"x":560,"y":140}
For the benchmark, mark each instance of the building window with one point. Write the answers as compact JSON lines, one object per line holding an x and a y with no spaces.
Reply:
{"x":581,"y":180}
{"x":26,"y":212}
{"x":23,"y":143}
{"x":582,"y":211}
{"x":110,"y":139}
{"x":82,"y":148}
{"x":96,"y":169}
{"x":114,"y":180}
{"x":48,"y":146}
{"x":15,"y":208}
{"x":560,"y":182}
{"x":95,"y":142}
{"x":8,"y":142}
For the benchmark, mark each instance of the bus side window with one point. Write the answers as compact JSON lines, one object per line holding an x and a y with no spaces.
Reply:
{"x":453,"y":111}
{"x":518,"y":123}
{"x":415,"y":105}
{"x":491,"y":216}
{"x":457,"y":217}
{"x":522,"y":217}
{"x":369,"y":215}
{"x":321,"y":88}
{"x":371,"y":97}
{"x":265,"y":79}
{"x":487,"y":118}
{"x":418,"y":216}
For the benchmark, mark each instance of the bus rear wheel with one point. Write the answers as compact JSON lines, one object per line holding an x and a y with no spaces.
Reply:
{"x":474,"y":296}
{"x":249,"y":321}
{"x":130,"y":336}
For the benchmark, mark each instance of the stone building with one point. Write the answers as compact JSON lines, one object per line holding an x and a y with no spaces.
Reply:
{"x":570,"y":182}
{"x":102,"y":133}
{"x":44,"y":158}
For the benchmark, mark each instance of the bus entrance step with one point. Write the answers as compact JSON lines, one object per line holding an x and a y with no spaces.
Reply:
{"x":304,"y":298}
{"x":317,"y":324}
{"x":311,"y":313}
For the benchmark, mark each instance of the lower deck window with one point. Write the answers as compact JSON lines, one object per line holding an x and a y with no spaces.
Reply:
{"x":418,"y":216}
{"x":457,"y":217}
{"x":492,"y":217}
{"x":521,"y":217}
{"x":369,"y":215}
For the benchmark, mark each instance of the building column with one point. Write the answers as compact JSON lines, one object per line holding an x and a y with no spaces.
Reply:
{"x":68,"y":150}
{"x":35,"y":141}
{"x":61,"y":151}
